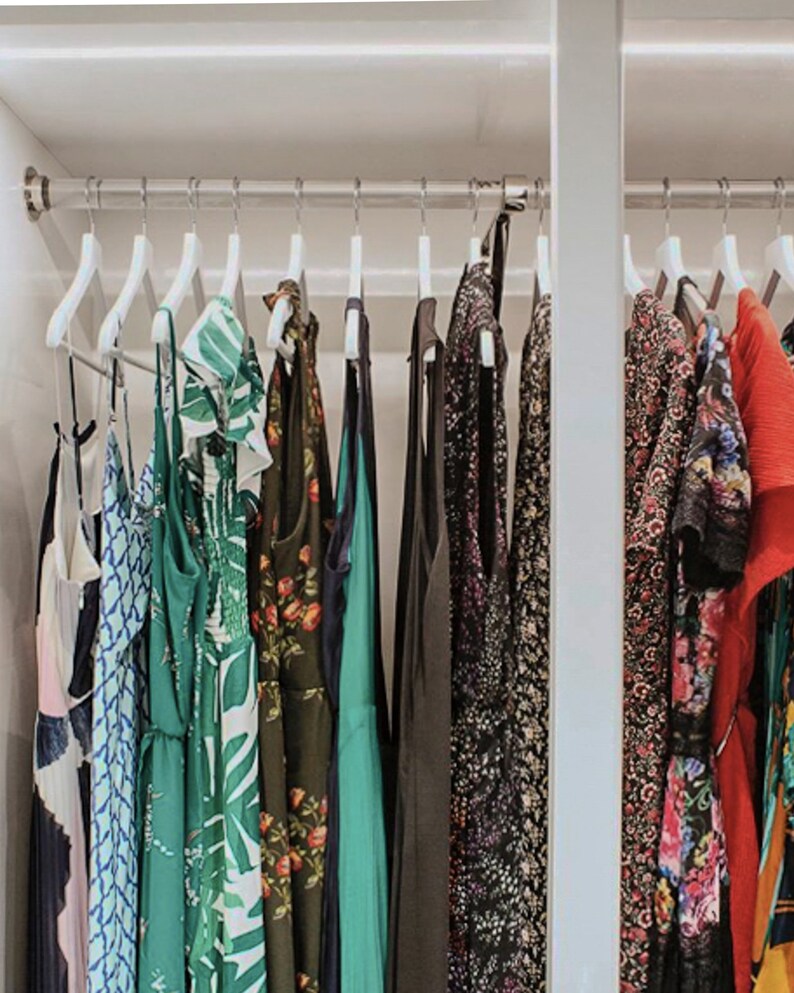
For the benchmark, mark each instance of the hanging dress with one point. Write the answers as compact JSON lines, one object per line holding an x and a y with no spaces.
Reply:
{"x":692,"y":948}
{"x":356,"y":672}
{"x":66,"y":618}
{"x":124,"y":604}
{"x":530,"y":562}
{"x":764,"y":391}
{"x":223,"y":412}
{"x":486,"y":896}
{"x":660,"y":408}
{"x":176,"y":614}
{"x":421,"y":714}
{"x":286,"y":553}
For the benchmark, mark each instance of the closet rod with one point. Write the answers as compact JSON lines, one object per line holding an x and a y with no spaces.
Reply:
{"x":42,"y":193}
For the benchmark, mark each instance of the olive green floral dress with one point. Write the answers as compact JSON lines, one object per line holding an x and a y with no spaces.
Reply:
{"x":286,"y":553}
{"x":223,"y":414}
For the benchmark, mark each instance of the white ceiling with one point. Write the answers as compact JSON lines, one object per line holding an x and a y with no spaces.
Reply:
{"x":385,"y":117}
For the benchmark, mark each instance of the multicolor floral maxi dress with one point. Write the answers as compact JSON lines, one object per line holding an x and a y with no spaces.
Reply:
{"x":486,"y":896}
{"x":692,"y":948}
{"x":223,"y":414}
{"x":660,"y":409}
{"x":286,"y":554}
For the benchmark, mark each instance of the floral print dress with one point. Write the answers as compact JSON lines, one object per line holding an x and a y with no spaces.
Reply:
{"x":486,"y":895}
{"x":530,"y":564}
{"x":223,"y":413}
{"x":660,"y":406}
{"x":692,"y":951}
{"x":286,"y":550}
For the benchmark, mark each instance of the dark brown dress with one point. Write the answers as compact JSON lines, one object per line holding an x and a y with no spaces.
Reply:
{"x":286,"y":554}
{"x":419,"y":918}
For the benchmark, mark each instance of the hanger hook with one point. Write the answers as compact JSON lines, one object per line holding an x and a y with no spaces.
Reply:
{"x":423,"y":203}
{"x":780,"y":197}
{"x":236,"y":203}
{"x":668,"y":205}
{"x":144,"y":204}
{"x":192,"y":200}
{"x":299,"y":202}
{"x":540,"y":201}
{"x":474,"y":196}
{"x":88,"y":182}
{"x":357,"y":201}
{"x":725,"y":188}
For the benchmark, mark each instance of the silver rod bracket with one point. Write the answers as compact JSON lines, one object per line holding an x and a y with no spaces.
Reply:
{"x":36,"y":191}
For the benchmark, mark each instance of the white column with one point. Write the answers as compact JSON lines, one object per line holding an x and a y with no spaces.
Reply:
{"x":587,"y":496}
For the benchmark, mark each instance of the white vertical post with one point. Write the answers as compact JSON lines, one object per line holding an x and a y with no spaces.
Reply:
{"x":587,"y":496}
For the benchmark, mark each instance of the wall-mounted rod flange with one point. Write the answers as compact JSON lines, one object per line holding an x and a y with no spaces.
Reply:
{"x":36,"y":191}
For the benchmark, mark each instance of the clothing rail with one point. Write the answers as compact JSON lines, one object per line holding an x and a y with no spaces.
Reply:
{"x":42,"y":193}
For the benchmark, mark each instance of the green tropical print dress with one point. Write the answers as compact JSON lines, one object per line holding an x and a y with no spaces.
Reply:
{"x":286,"y":554}
{"x":177,"y":610}
{"x":223,"y":414}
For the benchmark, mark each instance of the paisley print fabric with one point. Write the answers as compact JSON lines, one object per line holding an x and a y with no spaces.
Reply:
{"x":286,"y":553}
{"x":486,"y":895}
{"x":530,"y":560}
{"x":660,"y":405}
{"x":124,"y":603}
{"x":711,"y":526}
{"x":227,"y":954}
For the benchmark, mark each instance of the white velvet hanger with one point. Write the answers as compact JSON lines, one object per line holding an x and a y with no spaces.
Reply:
{"x":542,"y":252}
{"x":87,"y":271}
{"x":475,"y":244}
{"x":779,"y":254}
{"x":670,"y":266}
{"x":188,"y":275}
{"x":632,"y":281}
{"x":296,"y":271}
{"x":139,"y":276}
{"x":725,"y":261}
{"x":356,"y":284}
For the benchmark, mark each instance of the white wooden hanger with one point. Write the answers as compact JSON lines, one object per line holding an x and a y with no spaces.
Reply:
{"x":779,"y":254}
{"x":475,"y":245}
{"x":542,"y":253}
{"x":139,"y":275}
{"x":87,"y":270}
{"x":356,"y":285}
{"x":632,"y":281}
{"x":423,"y":259}
{"x":187,"y":275}
{"x":670,"y":265}
{"x":725,"y":261}
{"x":232,"y":284}
{"x":296,"y":271}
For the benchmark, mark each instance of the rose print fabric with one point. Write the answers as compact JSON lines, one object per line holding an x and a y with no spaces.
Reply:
{"x":711,"y":526}
{"x":286,"y":551}
{"x":486,"y":895}
{"x":531,"y":577}
{"x":660,"y":405}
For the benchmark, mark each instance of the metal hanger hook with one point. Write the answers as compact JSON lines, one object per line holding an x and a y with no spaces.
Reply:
{"x":540,"y":201}
{"x":423,"y":203}
{"x":88,"y":182}
{"x":299,"y":202}
{"x":780,"y":196}
{"x":725,"y":188}
{"x":357,"y":202}
{"x":192,"y":200}
{"x":474,"y":191}
{"x":236,"y":203}
{"x":144,"y":204}
{"x":668,"y":205}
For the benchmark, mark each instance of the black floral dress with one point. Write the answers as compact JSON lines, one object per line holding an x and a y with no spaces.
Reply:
{"x":486,"y":820}
{"x":286,"y":554}
{"x":531,"y":577}
{"x":660,"y":409}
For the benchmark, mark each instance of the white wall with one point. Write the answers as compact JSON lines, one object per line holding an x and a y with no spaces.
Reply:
{"x":34,"y":260}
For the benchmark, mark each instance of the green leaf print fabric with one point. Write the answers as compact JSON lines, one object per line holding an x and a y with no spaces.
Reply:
{"x":286,"y":554}
{"x":223,"y":420}
{"x":177,"y":610}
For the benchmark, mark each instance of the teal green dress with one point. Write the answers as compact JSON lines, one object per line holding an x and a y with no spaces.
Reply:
{"x":176,"y":610}
{"x":361,"y":837}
